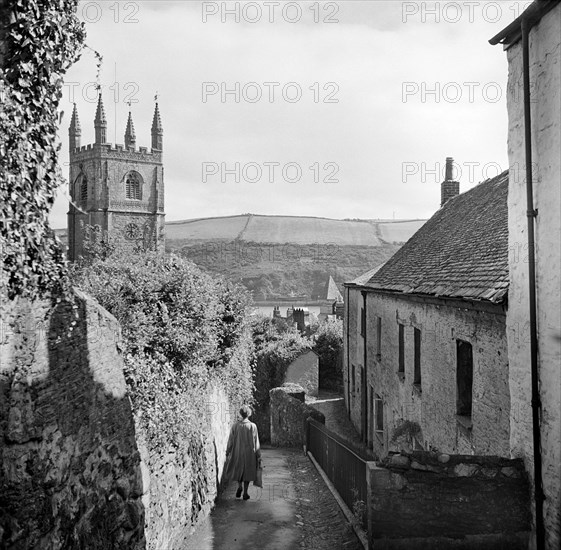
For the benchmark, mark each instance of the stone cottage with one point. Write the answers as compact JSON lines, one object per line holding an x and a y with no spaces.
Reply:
{"x":425,"y":333}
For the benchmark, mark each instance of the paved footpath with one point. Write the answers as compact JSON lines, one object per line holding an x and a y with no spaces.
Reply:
{"x":274,"y":517}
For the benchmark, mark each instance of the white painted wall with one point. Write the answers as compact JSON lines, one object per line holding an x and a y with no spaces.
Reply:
{"x":545,"y":77}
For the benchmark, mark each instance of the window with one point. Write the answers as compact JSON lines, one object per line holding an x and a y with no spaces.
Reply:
{"x":84,"y":189}
{"x":354,"y":378}
{"x":81,"y":188}
{"x":362,"y":321}
{"x":132,"y":186}
{"x":378,"y":337}
{"x":370,"y":431}
{"x":417,"y":357}
{"x":401,"y":335}
{"x":379,"y":414}
{"x":464,"y":378}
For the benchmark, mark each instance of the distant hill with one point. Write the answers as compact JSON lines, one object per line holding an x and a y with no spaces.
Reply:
{"x":281,"y":256}
{"x":293,"y":229}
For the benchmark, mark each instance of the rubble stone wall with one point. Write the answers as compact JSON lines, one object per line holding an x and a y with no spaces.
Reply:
{"x":288,"y":416}
{"x":75,"y":470}
{"x":70,"y":472}
{"x":420,"y":497}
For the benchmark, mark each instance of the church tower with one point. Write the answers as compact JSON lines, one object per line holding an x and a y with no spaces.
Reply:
{"x":116,"y":189}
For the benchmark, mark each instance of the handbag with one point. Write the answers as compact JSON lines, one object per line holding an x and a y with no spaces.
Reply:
{"x":259,"y":474}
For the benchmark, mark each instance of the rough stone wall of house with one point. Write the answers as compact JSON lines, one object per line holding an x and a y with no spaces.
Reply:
{"x":169,"y":500}
{"x":345,"y":356}
{"x":433,"y":405}
{"x":304,"y":370}
{"x":353,"y":357}
{"x":545,"y":78}
{"x":288,"y":416}
{"x":424,"y":500}
{"x":70,"y":472}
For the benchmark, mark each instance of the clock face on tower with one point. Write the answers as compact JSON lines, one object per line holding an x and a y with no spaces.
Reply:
{"x":132,"y":231}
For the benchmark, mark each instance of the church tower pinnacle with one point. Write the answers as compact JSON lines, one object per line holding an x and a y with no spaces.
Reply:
{"x":157,"y":130}
{"x":74,"y":130}
{"x":130,"y":136}
{"x":117,"y":189}
{"x":100,"y":122}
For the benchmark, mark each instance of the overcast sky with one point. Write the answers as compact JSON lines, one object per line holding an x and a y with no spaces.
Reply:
{"x":387,"y":93}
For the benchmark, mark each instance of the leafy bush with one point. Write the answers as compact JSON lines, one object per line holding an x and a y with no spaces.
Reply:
{"x":276,"y":346}
{"x":182,"y":332}
{"x":328,"y":344}
{"x":40,"y":41}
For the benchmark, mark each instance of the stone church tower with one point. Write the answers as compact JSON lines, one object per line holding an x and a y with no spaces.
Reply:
{"x":119,"y":190}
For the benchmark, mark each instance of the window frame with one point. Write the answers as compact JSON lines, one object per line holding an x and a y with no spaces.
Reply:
{"x":137,"y":187}
{"x":464,"y":399}
{"x":401,"y":350}
{"x":378,"y":337}
{"x":417,"y":373}
{"x":379,"y":417}
{"x":362,"y":321}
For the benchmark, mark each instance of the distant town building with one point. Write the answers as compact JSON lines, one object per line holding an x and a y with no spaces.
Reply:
{"x":425,"y":333}
{"x":328,"y":295}
{"x":117,"y":189}
{"x":301,"y":317}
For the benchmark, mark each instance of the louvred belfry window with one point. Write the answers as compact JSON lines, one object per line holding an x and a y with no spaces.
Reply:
{"x":84,"y":189}
{"x":132,"y":186}
{"x":81,"y":188}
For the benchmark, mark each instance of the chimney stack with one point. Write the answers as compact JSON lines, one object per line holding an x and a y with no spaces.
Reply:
{"x":449,"y":187}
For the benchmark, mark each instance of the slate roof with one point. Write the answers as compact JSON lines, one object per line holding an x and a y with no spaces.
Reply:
{"x":332,"y":292}
{"x":461,"y":252}
{"x":365,"y":277}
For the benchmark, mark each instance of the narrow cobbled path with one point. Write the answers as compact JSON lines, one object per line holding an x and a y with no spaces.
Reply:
{"x":322,"y":524}
{"x":293,"y":510}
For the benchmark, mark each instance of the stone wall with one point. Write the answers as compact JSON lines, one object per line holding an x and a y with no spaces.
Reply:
{"x":70,"y":468}
{"x":75,"y":471}
{"x":172,"y":506}
{"x":288,"y":416}
{"x":425,"y":500}
{"x":432,"y":404}
{"x":545,"y":79}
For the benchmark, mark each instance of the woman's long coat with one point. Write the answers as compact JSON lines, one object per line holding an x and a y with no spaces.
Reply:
{"x":242,"y":451}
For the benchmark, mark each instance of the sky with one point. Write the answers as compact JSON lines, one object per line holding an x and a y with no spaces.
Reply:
{"x":342,"y":109}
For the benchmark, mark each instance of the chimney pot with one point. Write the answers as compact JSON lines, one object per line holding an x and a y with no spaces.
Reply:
{"x":449,"y":187}
{"x":449,"y":174}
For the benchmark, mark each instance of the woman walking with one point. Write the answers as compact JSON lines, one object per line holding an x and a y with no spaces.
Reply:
{"x":243,"y":453}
